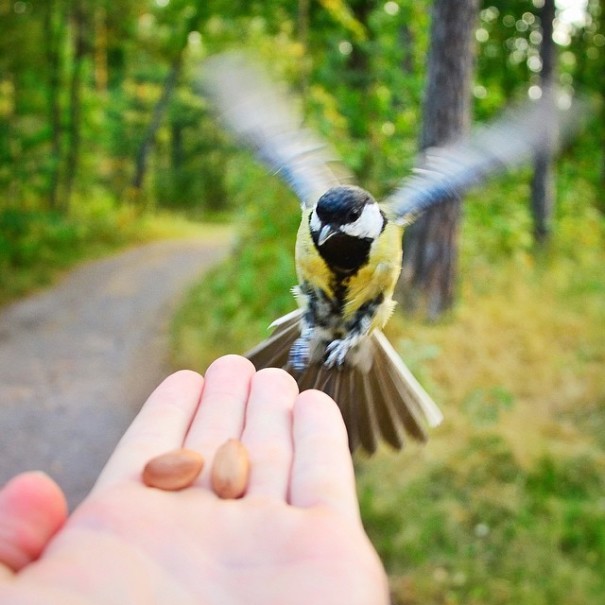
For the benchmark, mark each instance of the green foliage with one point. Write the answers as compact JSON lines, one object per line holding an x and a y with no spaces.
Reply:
{"x":237,"y":301}
{"x":360,"y":66}
{"x":34,"y":245}
{"x":27,"y":235}
{"x":505,"y":505}
{"x":478,"y":527}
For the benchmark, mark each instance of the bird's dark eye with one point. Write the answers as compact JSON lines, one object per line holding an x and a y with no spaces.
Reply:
{"x":353,"y":215}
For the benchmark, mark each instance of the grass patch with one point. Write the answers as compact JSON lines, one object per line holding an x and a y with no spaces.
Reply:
{"x":231,"y":308}
{"x":477,"y":527}
{"x":36,"y":247}
{"x":506,"y":503}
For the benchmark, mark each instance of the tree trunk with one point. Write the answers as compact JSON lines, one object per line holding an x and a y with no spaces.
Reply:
{"x":302,"y":27}
{"x":162,"y":105}
{"x":177,"y":151}
{"x":75,"y":98}
{"x":542,"y":186}
{"x":406,"y":41}
{"x":54,"y":108}
{"x":600,"y":17}
{"x":156,"y":120}
{"x":431,"y":245}
{"x":100,"y":54}
{"x":360,"y":80}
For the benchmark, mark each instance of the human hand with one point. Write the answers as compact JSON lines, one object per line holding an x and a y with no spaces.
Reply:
{"x":295,"y":537}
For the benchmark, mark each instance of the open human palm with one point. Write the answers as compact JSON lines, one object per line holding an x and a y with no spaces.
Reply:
{"x":295,"y":536}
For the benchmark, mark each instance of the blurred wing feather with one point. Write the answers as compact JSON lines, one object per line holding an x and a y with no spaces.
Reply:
{"x":265,"y":119}
{"x":505,"y":144}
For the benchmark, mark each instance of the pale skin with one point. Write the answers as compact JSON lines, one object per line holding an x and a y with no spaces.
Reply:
{"x":295,"y":537}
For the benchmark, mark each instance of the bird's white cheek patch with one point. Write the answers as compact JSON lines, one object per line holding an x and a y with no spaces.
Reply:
{"x":369,"y":224}
{"x":315,"y":223}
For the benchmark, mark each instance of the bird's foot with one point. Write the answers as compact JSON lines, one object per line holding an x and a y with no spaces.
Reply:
{"x":299,"y":354}
{"x":336,"y":352}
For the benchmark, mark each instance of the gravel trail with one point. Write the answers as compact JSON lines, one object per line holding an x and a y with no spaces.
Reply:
{"x":78,"y":360}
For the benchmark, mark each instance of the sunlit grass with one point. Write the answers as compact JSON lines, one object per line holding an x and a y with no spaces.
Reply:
{"x":506,"y":502}
{"x":231,"y":308}
{"x":36,"y":246}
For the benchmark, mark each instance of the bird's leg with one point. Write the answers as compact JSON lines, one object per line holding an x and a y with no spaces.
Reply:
{"x":356,"y":330}
{"x":300,"y":351}
{"x":337,"y":350}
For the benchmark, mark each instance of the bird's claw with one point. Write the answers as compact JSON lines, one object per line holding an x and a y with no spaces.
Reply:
{"x":336,"y":352}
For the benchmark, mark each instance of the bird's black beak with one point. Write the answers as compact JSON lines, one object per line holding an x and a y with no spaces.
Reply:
{"x":327,"y":231}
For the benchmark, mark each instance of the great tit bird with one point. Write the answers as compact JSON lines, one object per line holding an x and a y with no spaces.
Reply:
{"x":349,"y":248}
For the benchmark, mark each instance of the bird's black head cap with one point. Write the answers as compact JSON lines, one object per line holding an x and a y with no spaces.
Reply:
{"x":343,"y":204}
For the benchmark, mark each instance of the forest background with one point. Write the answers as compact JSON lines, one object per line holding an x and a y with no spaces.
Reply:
{"x":104,"y":142}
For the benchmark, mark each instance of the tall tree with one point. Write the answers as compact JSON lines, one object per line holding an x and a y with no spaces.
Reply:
{"x":431,"y":245}
{"x":157,"y":116}
{"x":542,"y":186}
{"x":170,"y":82}
{"x":360,"y":80}
{"x":100,"y":49}
{"x":78,"y":24}
{"x":601,"y":91}
{"x":302,"y":31}
{"x":52,"y":37}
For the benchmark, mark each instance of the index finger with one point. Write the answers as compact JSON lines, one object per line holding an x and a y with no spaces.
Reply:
{"x":160,"y":426}
{"x":322,"y":470}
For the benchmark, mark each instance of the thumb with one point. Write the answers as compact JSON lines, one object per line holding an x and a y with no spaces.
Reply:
{"x":32,"y":509}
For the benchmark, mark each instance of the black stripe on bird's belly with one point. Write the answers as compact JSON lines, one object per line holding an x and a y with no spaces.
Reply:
{"x":345,"y":254}
{"x":322,"y":310}
{"x":365,"y":314}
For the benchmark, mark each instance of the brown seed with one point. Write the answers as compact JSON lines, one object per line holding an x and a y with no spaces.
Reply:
{"x":230,"y":470}
{"x":173,"y":470}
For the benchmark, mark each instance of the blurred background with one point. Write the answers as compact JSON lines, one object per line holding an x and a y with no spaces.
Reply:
{"x":104,"y":142}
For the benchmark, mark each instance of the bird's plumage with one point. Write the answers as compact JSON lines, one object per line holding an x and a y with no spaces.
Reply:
{"x":348,"y":248}
{"x":345,"y":284}
{"x":387,"y":403}
{"x":508,"y":142}
{"x":266,"y":119}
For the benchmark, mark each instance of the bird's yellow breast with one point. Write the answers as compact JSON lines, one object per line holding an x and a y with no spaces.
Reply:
{"x":378,"y":276}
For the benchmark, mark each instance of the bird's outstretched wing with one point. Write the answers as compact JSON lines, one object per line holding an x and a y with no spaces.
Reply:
{"x":264,"y":118}
{"x":507,"y":143}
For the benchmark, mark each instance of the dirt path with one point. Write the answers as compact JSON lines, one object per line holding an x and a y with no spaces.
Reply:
{"x":77,"y":361}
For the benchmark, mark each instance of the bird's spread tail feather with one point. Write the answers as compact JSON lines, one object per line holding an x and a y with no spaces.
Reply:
{"x":382,"y":401}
